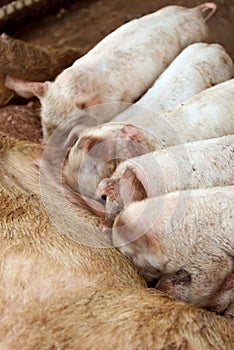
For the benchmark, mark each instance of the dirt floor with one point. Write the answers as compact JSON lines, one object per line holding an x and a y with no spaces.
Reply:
{"x":84,"y":23}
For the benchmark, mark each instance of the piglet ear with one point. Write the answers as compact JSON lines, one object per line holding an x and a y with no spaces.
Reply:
{"x":84,"y":100}
{"x":27,"y":89}
{"x":131,"y":133}
{"x":207,"y":10}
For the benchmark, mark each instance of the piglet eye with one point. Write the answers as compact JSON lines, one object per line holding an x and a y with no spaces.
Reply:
{"x":183,"y":277}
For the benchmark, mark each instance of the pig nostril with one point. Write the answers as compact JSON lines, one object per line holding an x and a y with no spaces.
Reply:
{"x":103,"y":197}
{"x":153,"y":283}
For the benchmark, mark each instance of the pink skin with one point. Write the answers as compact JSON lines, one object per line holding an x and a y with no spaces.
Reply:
{"x":120,"y":68}
{"x":120,"y":193}
{"x":92,"y":159}
{"x":175,"y":168}
{"x":222,"y":302}
{"x":185,"y":239}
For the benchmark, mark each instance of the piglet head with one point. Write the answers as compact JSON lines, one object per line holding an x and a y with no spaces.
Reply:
{"x":135,"y":238}
{"x":119,"y":193}
{"x":97,"y":153}
{"x":59,"y":100}
{"x":109,"y":190}
{"x":91,"y":158}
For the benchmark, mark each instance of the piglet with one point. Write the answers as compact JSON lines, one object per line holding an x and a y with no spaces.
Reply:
{"x":198,"y":164}
{"x":120,"y":68}
{"x":198,"y":67}
{"x":186,"y":238}
{"x":99,"y":150}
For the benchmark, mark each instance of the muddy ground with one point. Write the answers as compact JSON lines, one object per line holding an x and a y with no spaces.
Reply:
{"x":82,"y":24}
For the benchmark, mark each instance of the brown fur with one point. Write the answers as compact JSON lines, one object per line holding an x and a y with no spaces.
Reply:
{"x":120,"y":318}
{"x":36,"y":257}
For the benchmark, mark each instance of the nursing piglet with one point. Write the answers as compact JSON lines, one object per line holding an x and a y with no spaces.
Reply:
{"x":198,"y":164}
{"x":99,"y":150}
{"x":187,"y":239}
{"x":138,"y":51}
{"x":198,"y":67}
